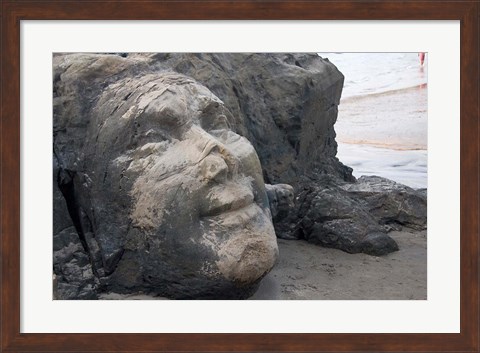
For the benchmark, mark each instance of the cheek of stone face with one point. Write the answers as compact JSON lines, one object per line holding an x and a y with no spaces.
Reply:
{"x":167,"y":186}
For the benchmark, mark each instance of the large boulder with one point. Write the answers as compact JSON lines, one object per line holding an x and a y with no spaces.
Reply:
{"x":330,"y":217}
{"x":164,"y":197}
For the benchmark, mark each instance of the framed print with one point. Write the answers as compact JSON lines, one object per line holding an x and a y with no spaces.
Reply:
{"x":135,"y":86}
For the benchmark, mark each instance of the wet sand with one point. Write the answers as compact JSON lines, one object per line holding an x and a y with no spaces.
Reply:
{"x":395,"y":119}
{"x":407,"y":167}
{"x":385,"y":134}
{"x":306,"y":271}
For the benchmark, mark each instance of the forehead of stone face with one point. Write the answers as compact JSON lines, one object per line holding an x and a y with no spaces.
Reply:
{"x":159,"y":106}
{"x":174,"y":100}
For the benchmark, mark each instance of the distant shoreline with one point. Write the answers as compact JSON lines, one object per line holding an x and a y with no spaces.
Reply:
{"x":385,"y":145}
{"x":385,"y":134}
{"x":396,"y":120}
{"x":353,"y":98}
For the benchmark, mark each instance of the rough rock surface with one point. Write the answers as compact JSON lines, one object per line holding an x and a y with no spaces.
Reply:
{"x":71,"y":262}
{"x":391,"y":203}
{"x":163,"y":195}
{"x":281,"y":200}
{"x":282,"y":206}
{"x":330,"y":216}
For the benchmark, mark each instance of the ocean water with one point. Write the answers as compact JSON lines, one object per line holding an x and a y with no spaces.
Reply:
{"x":382,"y":120}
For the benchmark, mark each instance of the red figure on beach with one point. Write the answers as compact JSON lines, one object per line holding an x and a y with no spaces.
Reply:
{"x":422,"y":58}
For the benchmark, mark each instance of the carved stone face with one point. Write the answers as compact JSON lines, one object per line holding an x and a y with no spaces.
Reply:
{"x":195,"y":220}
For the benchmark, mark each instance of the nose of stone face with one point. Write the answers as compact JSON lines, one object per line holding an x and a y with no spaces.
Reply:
{"x":214,"y":168}
{"x":215,"y":157}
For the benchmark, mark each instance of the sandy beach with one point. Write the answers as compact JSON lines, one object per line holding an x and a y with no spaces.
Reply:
{"x":306,"y":271}
{"x":395,"y":119}
{"x":382,"y":123}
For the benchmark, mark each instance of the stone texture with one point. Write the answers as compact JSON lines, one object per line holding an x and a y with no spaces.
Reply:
{"x":391,"y":203}
{"x":330,"y":217}
{"x":282,"y":206}
{"x":164,"y":196}
{"x":74,"y":278}
{"x":354,"y":217}
{"x":281,"y":200}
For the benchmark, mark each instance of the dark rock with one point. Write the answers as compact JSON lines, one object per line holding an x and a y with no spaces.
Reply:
{"x":282,"y":205}
{"x":164,"y":197}
{"x":391,"y":203}
{"x":330,"y":217}
{"x":281,"y":200}
{"x":378,"y":244}
{"x":74,"y":278}
{"x":71,"y":264}
{"x":61,"y":217}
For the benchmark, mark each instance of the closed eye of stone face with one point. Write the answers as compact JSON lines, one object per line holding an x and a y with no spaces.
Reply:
{"x":150,"y":133}
{"x":168,"y":113}
{"x":214,"y":116}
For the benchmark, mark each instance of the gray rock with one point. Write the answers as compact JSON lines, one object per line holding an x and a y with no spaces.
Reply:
{"x":74,"y":277}
{"x":281,"y":199}
{"x":282,"y":205}
{"x":330,"y":217}
{"x":391,"y":203}
{"x":164,"y":196}
{"x":378,"y":244}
